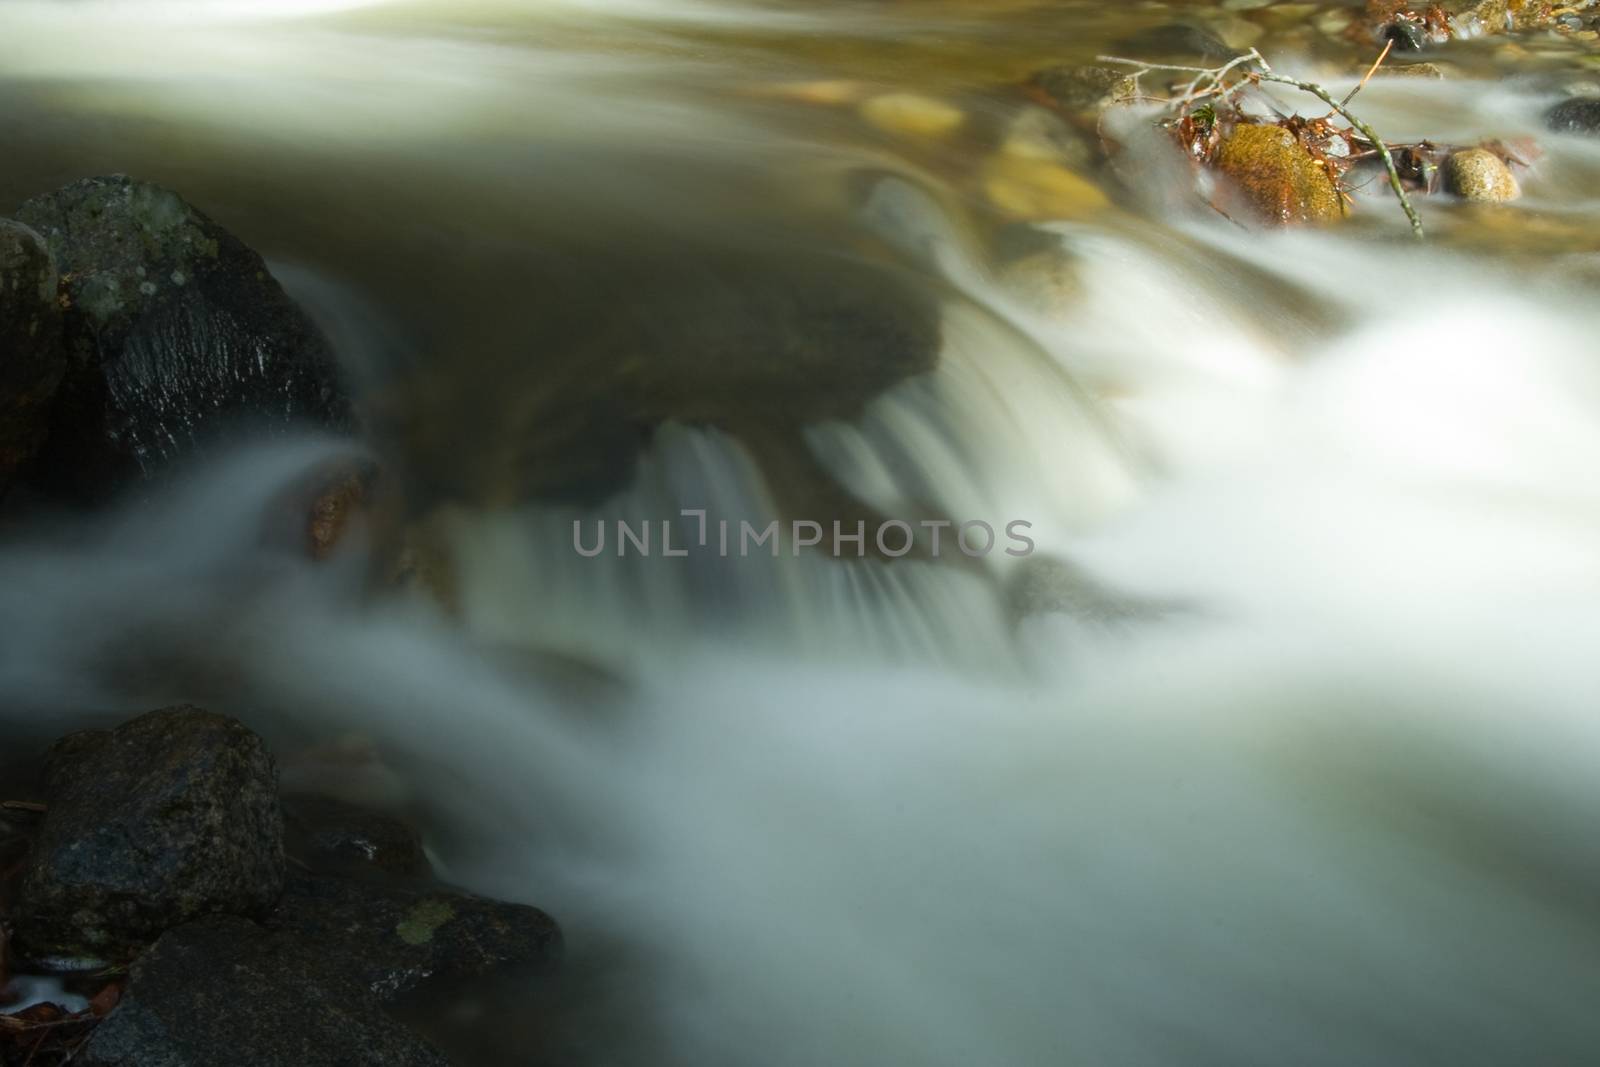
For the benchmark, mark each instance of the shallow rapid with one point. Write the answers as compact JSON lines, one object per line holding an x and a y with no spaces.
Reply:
{"x":1279,"y":746}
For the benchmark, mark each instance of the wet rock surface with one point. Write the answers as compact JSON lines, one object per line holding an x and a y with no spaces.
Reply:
{"x":171,"y":816}
{"x":173,"y":330}
{"x":331,"y":836}
{"x":1276,"y":177}
{"x":224,"y":991}
{"x":160,"y":844}
{"x":31,"y":361}
{"x":1580,"y":115}
{"x":392,"y":937}
{"x":1478,"y":174}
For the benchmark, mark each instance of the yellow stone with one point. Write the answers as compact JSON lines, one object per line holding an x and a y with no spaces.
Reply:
{"x":1034,"y":190}
{"x":913,"y":115}
{"x":1478,"y":174}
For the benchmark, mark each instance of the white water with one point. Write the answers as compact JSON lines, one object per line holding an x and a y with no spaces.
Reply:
{"x":1334,"y":808}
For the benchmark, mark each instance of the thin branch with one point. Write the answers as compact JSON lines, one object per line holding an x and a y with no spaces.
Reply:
{"x":1266,"y":73}
{"x":1370,"y":72}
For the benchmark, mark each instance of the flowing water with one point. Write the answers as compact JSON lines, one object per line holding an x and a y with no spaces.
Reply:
{"x":1302,"y":769}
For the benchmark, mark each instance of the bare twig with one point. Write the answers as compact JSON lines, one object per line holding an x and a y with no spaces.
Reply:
{"x":1351,"y":95}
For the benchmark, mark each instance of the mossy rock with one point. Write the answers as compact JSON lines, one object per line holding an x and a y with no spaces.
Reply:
{"x":174,"y":332}
{"x":1276,"y":178}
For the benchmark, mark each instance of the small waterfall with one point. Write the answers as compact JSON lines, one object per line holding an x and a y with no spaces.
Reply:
{"x":1317,"y":787}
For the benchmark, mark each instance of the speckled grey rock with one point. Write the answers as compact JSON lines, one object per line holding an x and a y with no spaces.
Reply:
{"x":169,"y":817}
{"x":392,"y":937}
{"x":1478,"y":174}
{"x":31,"y":359}
{"x":174,"y":330}
{"x":1578,"y":115}
{"x":224,"y":991}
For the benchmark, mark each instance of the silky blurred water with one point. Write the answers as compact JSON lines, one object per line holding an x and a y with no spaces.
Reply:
{"x":1314,"y":786}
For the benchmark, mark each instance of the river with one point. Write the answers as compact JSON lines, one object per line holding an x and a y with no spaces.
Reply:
{"x":1296,"y":764}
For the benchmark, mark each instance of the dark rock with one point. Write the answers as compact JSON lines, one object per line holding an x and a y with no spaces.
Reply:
{"x":224,"y":991}
{"x":1580,"y":115}
{"x":392,"y":937}
{"x":1176,"y":40}
{"x":171,"y":816}
{"x":1407,"y":36}
{"x":174,"y":330}
{"x":334,"y":837}
{"x":31,"y":360}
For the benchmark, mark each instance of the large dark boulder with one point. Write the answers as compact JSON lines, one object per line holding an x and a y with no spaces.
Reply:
{"x":174,"y":331}
{"x":224,"y":991}
{"x":392,"y":937}
{"x":169,"y":817}
{"x":31,"y":360}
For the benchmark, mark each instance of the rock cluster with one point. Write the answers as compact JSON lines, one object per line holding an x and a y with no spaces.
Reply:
{"x":162,"y":848}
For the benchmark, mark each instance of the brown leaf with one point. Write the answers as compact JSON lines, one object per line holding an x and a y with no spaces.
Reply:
{"x":106,"y":999}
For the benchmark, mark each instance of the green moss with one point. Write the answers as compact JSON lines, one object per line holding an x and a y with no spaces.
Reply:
{"x":1278,"y":177}
{"x":419,"y":924}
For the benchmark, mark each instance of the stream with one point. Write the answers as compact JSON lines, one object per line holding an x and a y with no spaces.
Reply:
{"x":1277,"y":745}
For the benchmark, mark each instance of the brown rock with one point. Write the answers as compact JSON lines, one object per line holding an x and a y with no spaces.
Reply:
{"x":1276,"y":178}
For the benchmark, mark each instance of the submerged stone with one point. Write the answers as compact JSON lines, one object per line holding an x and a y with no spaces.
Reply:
{"x":31,"y":360}
{"x":174,"y":331}
{"x":1086,"y":88}
{"x":1579,"y":115}
{"x":912,"y":115}
{"x":1277,"y":178}
{"x":169,"y":817}
{"x":1036,"y":190}
{"x":1176,"y":40}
